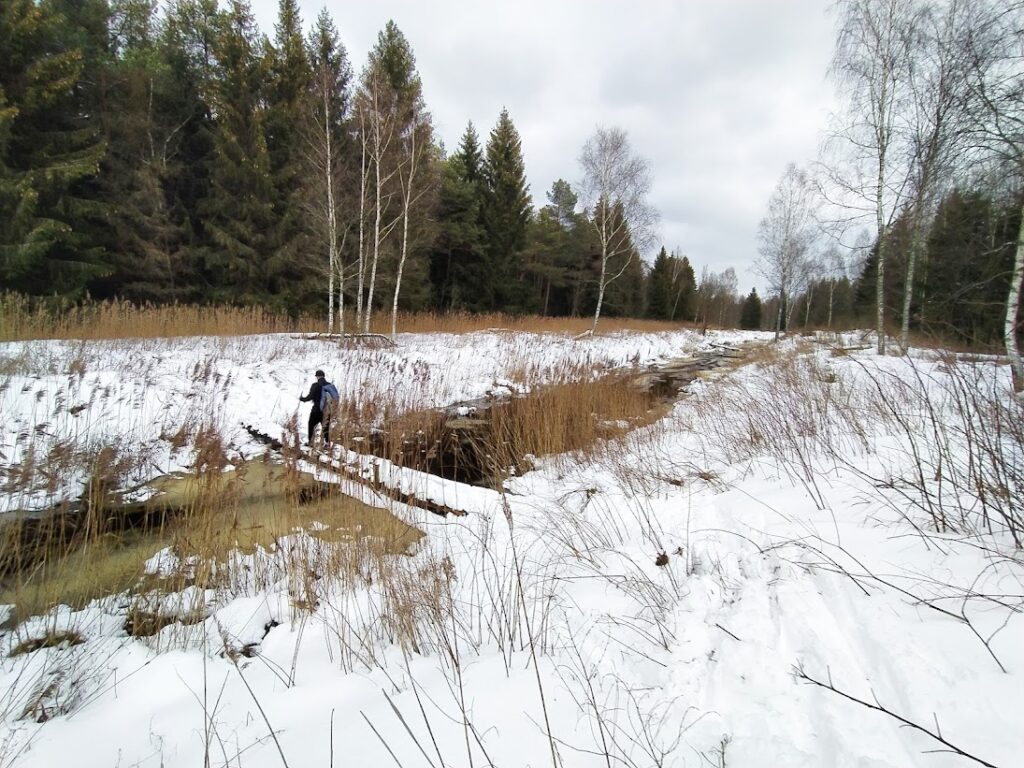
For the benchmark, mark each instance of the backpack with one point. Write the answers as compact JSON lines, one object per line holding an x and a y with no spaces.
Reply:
{"x":328,"y":398}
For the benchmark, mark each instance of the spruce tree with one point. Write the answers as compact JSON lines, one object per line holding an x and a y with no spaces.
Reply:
{"x":969,"y":263}
{"x":505,"y":217}
{"x":457,"y":259}
{"x":659,"y":287}
{"x":239,"y":212}
{"x":288,"y":262}
{"x":50,"y":147}
{"x":457,"y":256}
{"x":471,"y":159}
{"x":188,"y":41}
{"x":750,"y":316}
{"x":684,"y":288}
{"x":145,"y":231}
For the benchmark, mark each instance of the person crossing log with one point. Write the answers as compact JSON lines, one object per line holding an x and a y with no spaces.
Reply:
{"x":324,"y":397}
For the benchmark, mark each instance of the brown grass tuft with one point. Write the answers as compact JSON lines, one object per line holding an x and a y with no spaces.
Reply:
{"x":51,"y":639}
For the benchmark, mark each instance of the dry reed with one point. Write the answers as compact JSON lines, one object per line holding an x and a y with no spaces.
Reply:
{"x":22,"y":319}
{"x":570,"y":417}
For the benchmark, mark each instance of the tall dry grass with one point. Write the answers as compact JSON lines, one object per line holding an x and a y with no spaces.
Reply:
{"x":467,"y":322}
{"x":577,"y":416}
{"x":944,"y":435}
{"x":22,"y":319}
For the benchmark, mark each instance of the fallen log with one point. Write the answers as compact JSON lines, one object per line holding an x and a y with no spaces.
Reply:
{"x":349,"y":471}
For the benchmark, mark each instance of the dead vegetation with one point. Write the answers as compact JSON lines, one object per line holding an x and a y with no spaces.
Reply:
{"x":22,"y":320}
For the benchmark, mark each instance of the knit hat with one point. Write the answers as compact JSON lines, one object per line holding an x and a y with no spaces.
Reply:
{"x":320,"y":374}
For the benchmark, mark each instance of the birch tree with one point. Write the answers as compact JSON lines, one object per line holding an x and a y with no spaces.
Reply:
{"x":936,"y":122}
{"x":614,"y":188}
{"x":413,"y":176}
{"x":997,"y":83}
{"x":871,"y":64}
{"x":389,"y":98}
{"x":326,"y":155}
{"x":784,"y":236}
{"x":378,"y":119}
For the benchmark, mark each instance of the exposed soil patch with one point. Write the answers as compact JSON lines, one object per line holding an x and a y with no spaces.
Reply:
{"x":146,"y":623}
{"x":55,"y":639}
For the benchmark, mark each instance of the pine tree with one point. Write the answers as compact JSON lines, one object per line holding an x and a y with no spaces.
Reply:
{"x":555,"y":262}
{"x":563,"y":201}
{"x":750,"y":316}
{"x":505,"y":217}
{"x":50,"y":148}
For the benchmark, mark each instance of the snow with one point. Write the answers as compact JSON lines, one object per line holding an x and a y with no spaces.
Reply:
{"x":540,"y":622}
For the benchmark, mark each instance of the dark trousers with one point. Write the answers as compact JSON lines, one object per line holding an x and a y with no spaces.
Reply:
{"x":316,"y":416}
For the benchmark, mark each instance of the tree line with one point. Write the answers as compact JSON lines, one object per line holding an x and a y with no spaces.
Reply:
{"x":175,"y":153}
{"x":913,"y":214}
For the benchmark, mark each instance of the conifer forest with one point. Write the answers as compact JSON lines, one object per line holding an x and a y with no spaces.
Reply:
{"x":174,"y":152}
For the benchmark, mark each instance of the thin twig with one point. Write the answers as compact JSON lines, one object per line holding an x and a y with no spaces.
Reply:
{"x":801,"y":674}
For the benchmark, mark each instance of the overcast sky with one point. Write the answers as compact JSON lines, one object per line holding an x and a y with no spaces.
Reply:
{"x":718,"y":94}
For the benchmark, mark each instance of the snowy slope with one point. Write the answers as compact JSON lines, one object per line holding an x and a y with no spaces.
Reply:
{"x":540,"y":629}
{"x":65,"y":400}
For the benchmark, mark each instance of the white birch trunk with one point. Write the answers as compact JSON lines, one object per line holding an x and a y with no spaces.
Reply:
{"x":880,"y":276}
{"x":407,"y":197}
{"x":600,"y":293}
{"x":398,"y":277}
{"x":368,"y":309}
{"x":332,"y":219}
{"x":1012,"y":310}
{"x":831,"y":300}
{"x":360,"y":265}
{"x":908,"y":291}
{"x":377,"y":161}
{"x":330,"y":292}
{"x":778,"y":315}
{"x":604,"y":264}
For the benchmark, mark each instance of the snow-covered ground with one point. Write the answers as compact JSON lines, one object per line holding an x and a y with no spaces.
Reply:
{"x":667,"y":601}
{"x":64,"y":402}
